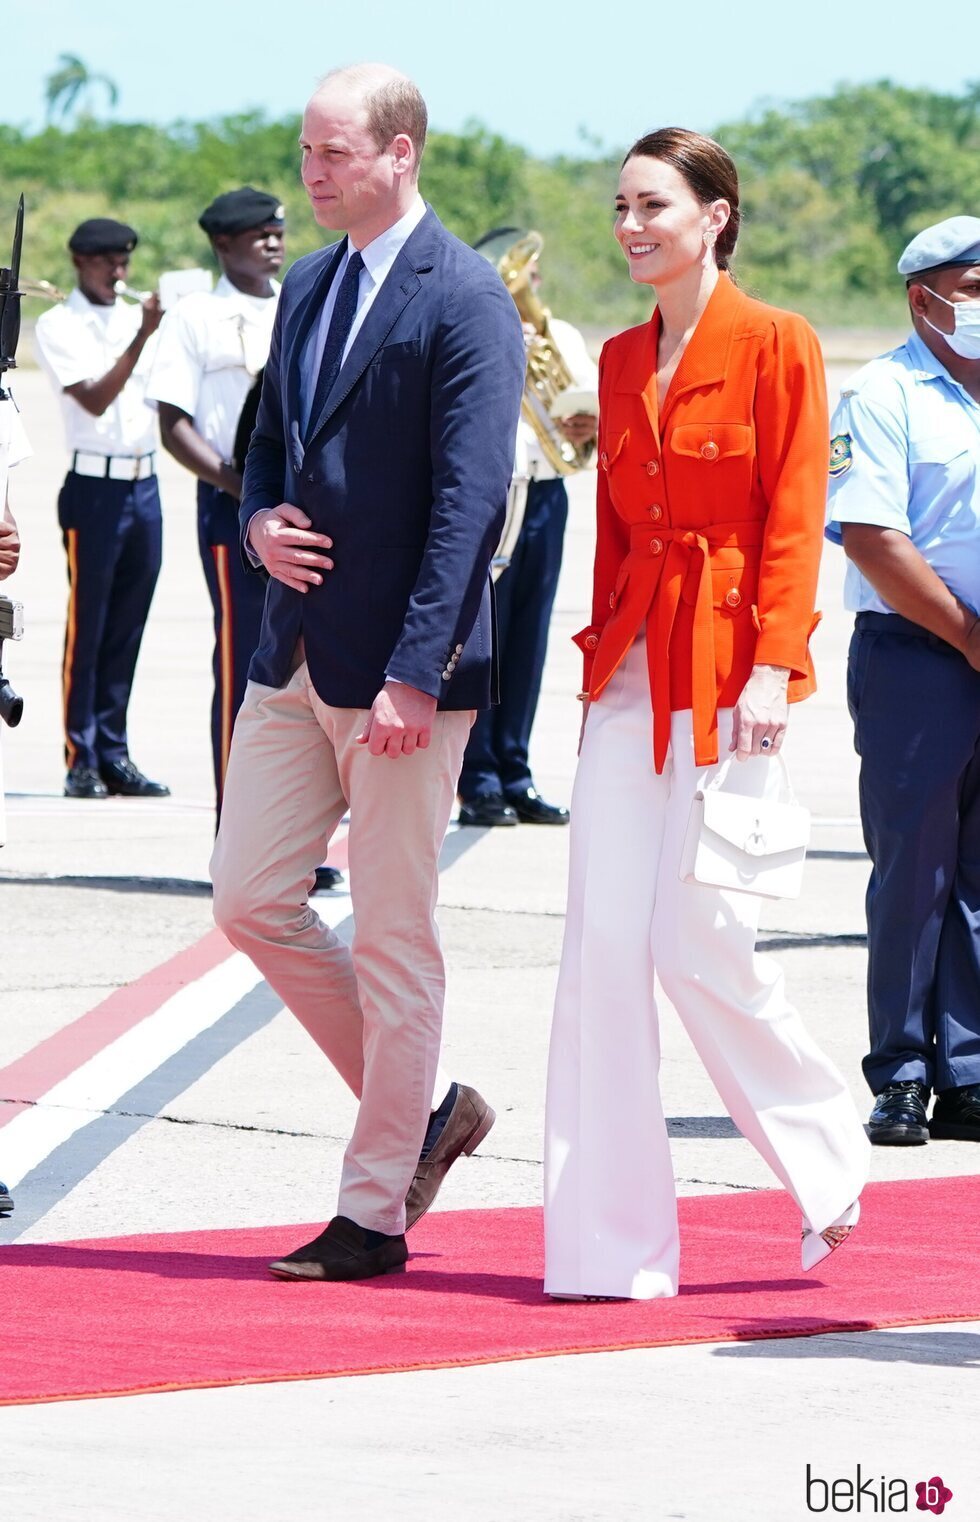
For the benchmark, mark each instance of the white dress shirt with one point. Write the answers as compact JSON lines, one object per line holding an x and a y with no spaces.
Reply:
{"x":212,"y":346}
{"x":379,"y":255}
{"x":79,"y":341}
{"x":13,"y":443}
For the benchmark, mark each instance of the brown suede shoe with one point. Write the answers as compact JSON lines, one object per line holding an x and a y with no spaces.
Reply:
{"x":341,"y":1251}
{"x":469,"y":1122}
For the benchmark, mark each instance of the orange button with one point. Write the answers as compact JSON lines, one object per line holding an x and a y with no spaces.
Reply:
{"x":604,"y":459}
{"x":656,"y":546}
{"x":656,"y":513}
{"x":591,"y":641}
{"x":612,"y":599}
{"x":652,"y":467}
{"x":710,"y":451}
{"x":733,"y":597}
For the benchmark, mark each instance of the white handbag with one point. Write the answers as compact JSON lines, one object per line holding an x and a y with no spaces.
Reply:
{"x":743,"y":843}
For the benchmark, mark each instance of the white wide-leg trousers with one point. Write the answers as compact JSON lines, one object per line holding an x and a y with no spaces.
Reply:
{"x":610,"y":1205}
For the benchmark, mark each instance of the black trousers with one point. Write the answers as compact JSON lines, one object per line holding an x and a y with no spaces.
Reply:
{"x":237,"y":600}
{"x":915,"y":702}
{"x":112,"y":535}
{"x":496,"y":757}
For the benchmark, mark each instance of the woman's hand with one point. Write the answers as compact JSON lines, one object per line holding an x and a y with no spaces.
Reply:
{"x":759,"y":721}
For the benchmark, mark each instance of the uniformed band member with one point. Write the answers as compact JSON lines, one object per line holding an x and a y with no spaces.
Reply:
{"x":905,"y":502}
{"x":213,"y":347}
{"x":496,"y":786}
{"x":96,"y":349}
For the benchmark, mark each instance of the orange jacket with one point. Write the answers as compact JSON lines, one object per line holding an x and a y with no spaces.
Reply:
{"x":710,"y":517}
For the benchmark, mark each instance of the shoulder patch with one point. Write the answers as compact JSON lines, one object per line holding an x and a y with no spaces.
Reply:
{"x":841,"y":456}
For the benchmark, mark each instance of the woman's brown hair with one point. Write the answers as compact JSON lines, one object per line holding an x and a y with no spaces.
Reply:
{"x":708,"y":170}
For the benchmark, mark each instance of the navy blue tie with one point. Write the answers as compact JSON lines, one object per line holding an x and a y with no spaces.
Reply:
{"x":338,"y":333}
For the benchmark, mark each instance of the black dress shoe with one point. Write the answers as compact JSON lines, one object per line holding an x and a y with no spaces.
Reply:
{"x":487,"y":811}
{"x":531,"y":808}
{"x":459,"y":1125}
{"x":327,"y":877}
{"x":85,"y":782}
{"x":899,"y":1115}
{"x":342,"y":1251}
{"x":956,"y":1114}
{"x":126,"y":780}
{"x":6,"y":1203}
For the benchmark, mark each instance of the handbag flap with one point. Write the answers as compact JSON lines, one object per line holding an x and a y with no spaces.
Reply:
{"x":756,"y":825}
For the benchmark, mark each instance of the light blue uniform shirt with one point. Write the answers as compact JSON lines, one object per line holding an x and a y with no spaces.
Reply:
{"x":905,"y":454}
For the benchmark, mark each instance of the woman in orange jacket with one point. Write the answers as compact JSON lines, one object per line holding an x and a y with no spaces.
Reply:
{"x":712,"y":454}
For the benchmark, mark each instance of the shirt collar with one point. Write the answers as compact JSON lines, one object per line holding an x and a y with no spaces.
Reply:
{"x":925,"y":363}
{"x":225,"y":288}
{"x":380,"y":254}
{"x":78,"y":302}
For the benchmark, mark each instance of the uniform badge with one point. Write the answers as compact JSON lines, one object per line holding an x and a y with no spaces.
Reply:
{"x":841,"y":457}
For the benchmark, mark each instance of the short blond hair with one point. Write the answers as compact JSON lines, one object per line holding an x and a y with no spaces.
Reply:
{"x":393,"y":102}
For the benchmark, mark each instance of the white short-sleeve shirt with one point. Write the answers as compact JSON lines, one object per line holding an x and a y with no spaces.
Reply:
{"x":212,"y":346}
{"x":13,"y":442}
{"x":79,"y":341}
{"x":531,"y":458}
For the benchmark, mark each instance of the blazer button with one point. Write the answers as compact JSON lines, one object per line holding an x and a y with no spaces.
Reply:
{"x":733,"y":597}
{"x":652,"y":467}
{"x":604,"y":459}
{"x":446,"y":675}
{"x":656,"y":546}
{"x":592,"y":642}
{"x":710,"y":450}
{"x":656,"y":512}
{"x":612,"y":599}
{"x":459,"y":649}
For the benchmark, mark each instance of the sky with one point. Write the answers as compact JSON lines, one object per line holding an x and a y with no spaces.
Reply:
{"x":539,"y":74}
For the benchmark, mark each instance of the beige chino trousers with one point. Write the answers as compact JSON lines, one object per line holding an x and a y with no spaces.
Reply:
{"x":374,"y":1008}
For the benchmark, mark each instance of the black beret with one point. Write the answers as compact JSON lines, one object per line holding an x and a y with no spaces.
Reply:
{"x":101,"y":235}
{"x":238,"y":210}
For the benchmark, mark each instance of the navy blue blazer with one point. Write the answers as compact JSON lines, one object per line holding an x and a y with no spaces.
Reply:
{"x":407,"y":469}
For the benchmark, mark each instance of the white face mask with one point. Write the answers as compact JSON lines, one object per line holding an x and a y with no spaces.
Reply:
{"x":965,"y":338}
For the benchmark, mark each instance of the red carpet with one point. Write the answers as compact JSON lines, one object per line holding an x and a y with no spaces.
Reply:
{"x":126,"y":1314}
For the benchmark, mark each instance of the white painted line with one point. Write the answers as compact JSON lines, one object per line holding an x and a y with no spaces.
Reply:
{"x":96,"y":1085}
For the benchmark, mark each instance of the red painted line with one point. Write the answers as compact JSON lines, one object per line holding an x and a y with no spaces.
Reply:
{"x":50,"y":1061}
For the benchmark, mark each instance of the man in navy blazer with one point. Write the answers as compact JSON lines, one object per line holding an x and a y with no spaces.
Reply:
{"x":374,"y":497}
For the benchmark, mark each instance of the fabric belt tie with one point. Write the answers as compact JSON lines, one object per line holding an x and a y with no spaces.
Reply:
{"x":667,"y":566}
{"x":119,"y":467}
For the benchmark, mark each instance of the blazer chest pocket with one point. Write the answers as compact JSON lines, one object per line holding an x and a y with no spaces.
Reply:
{"x":711,"y":442}
{"x":398,"y":353}
{"x":611,"y":448}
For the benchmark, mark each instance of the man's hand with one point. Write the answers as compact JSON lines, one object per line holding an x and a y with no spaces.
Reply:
{"x":288,"y":548}
{"x":9,"y":547}
{"x":581,"y":428}
{"x":761,"y":713}
{"x":400,"y":721}
{"x":152,"y":316}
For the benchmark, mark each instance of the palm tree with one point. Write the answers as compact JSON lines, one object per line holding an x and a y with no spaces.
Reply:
{"x":66,"y":87}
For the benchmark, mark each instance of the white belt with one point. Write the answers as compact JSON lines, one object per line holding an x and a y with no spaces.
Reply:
{"x":115,"y":467}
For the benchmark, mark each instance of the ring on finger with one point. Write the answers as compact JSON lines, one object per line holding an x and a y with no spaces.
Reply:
{"x":765,"y":743}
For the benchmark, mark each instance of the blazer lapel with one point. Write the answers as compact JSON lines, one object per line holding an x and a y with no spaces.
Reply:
{"x":301,"y":320}
{"x":639,"y":373}
{"x":705,"y":360}
{"x":401,"y":285}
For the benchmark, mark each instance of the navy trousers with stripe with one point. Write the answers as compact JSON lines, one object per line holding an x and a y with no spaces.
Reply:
{"x":112,"y":535}
{"x":915,"y":702}
{"x":496,"y":757}
{"x":237,"y":599}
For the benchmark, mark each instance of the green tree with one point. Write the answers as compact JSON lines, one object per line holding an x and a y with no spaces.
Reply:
{"x":69,"y":84}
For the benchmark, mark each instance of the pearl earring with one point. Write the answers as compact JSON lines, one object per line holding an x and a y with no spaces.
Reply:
{"x":709,"y":239}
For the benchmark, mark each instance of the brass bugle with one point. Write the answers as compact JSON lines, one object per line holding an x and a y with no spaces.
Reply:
{"x":122,"y":289}
{"x":42,"y":289}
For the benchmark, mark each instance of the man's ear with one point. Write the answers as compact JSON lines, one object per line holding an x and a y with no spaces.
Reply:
{"x":918,"y":298}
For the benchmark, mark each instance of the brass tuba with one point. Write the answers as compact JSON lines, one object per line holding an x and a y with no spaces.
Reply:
{"x":548,"y":375}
